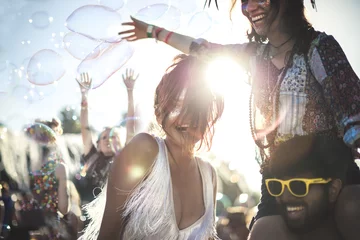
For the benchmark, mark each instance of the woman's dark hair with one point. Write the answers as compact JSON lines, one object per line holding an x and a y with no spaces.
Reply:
{"x":294,"y":22}
{"x":202,"y":105}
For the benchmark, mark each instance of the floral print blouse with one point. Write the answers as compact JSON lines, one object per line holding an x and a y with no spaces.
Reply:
{"x":319,"y":92}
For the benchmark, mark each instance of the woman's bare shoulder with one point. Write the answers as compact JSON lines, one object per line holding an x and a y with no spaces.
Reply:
{"x":134,"y":161}
{"x":143,"y":144}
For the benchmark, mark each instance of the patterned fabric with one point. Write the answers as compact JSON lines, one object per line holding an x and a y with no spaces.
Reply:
{"x":44,"y":197}
{"x":320,"y":95}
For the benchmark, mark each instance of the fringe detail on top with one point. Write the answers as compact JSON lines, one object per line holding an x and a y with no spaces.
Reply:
{"x":207,"y":229}
{"x":148,"y":206}
{"x":94,"y":211}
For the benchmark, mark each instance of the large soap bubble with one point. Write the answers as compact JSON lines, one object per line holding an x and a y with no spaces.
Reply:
{"x":113,"y":4}
{"x":40,"y":19}
{"x":8,"y":76}
{"x":46,"y":90}
{"x":112,"y":56}
{"x":24,"y":92}
{"x":96,"y":22}
{"x":45,"y":67}
{"x":79,"y":46}
{"x":160,"y":14}
{"x":134,"y":6}
{"x":188,"y":6}
{"x":199,"y":24}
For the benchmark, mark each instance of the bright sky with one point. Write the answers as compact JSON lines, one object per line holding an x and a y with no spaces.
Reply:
{"x":20,"y":39}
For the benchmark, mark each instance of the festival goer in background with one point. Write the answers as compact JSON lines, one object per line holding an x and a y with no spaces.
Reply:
{"x":43,"y":209}
{"x":306,"y":176}
{"x":302,"y":83}
{"x":233,"y":226}
{"x":157,"y":188}
{"x":97,"y":160}
{"x":75,"y":214}
{"x":6,"y":207}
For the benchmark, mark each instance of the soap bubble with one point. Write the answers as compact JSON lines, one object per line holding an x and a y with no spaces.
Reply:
{"x":45,"y":67}
{"x":8,"y":76}
{"x":105,"y":26}
{"x":79,"y":46}
{"x":200,"y":23}
{"x":46,"y":90}
{"x":160,"y":14}
{"x":40,"y":19}
{"x":113,"y":4}
{"x":188,"y":6}
{"x":112,"y":56}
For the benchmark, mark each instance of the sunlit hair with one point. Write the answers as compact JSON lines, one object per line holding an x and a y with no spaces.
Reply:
{"x":115,"y":130}
{"x":322,"y":155}
{"x":294,"y":22}
{"x":201,"y":106}
{"x":54,"y":124}
{"x":99,"y":135}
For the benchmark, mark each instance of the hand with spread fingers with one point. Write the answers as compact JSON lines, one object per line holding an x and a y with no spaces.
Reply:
{"x":137,"y":32}
{"x":84,"y":82}
{"x":129,"y":78}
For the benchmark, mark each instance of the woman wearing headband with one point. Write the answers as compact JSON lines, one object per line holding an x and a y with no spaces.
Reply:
{"x":301,"y":82}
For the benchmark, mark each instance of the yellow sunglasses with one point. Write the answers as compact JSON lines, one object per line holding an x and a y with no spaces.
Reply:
{"x":299,"y":187}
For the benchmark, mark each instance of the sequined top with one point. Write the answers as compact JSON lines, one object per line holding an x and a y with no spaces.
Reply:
{"x":44,"y":186}
{"x":319,"y":92}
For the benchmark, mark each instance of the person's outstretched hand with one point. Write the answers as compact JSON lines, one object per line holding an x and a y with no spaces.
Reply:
{"x":137,"y":32}
{"x":129,"y":78}
{"x":84,"y":82}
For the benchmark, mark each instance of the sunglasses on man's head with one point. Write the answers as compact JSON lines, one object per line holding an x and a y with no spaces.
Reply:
{"x":299,"y":187}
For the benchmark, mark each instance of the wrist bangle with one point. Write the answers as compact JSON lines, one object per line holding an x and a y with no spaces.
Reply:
{"x":157,"y":32}
{"x":168,"y":37}
{"x":149,"y":30}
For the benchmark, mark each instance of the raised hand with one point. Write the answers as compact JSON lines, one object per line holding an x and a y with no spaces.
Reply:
{"x":84,"y":82}
{"x":137,"y":32}
{"x":129,"y":78}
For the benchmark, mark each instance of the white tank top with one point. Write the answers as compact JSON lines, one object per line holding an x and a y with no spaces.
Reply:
{"x":151,"y":206}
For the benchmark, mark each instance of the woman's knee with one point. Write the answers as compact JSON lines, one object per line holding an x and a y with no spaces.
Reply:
{"x":270,"y":227}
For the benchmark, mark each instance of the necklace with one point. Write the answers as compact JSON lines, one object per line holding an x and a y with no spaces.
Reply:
{"x":273,"y":103}
{"x":282,"y":44}
{"x":271,"y":56}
